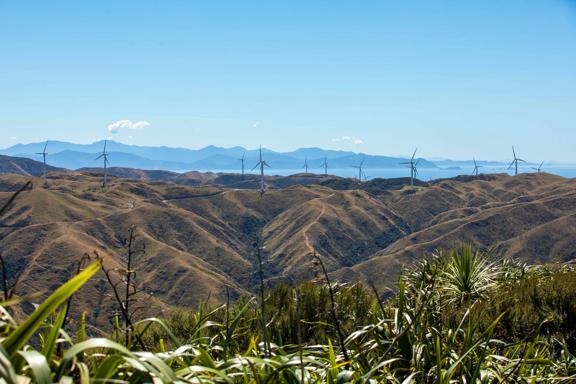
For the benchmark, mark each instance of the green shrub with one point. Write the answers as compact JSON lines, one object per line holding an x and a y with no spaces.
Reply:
{"x":455,"y":317}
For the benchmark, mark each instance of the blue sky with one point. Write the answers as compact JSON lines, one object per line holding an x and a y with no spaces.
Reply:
{"x":455,"y":78}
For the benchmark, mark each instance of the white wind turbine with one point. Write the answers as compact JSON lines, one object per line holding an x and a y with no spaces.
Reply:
{"x":44,"y":154}
{"x":261,"y":163}
{"x":104,"y":155}
{"x":325,"y":166}
{"x":514,"y":162}
{"x":476,"y":168}
{"x":413,"y":167}
{"x":359,"y":167}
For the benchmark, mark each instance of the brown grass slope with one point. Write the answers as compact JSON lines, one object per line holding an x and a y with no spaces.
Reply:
{"x":24,"y":166}
{"x":200,"y":240}
{"x":529,"y":217}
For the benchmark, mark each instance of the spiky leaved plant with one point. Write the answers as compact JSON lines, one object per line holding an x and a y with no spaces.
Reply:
{"x":468,"y":273}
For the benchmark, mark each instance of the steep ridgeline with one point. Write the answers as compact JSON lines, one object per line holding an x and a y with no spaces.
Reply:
{"x":200,"y":240}
{"x":24,"y":166}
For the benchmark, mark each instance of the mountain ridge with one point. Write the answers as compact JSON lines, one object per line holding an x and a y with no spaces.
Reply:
{"x":207,"y":158}
{"x":200,"y":239}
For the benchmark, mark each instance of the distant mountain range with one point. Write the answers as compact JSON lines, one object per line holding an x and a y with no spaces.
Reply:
{"x":75,"y":156}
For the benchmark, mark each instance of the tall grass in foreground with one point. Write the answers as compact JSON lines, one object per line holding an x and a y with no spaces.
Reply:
{"x":455,"y":317}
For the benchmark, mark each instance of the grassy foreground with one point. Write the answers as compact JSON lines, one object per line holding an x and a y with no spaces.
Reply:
{"x":455,"y":317}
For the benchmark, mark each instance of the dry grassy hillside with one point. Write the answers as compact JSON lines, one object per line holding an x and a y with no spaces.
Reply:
{"x":200,"y":240}
{"x":24,"y":166}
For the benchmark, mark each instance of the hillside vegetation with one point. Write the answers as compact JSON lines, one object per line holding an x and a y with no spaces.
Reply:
{"x":449,"y":321}
{"x":205,"y":237}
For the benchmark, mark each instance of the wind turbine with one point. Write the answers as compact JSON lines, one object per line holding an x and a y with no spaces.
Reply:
{"x":243,"y":159}
{"x":476,"y":167}
{"x":413,"y":167}
{"x":261,"y":163}
{"x":305,"y":166}
{"x":359,"y":167}
{"x":325,"y":166}
{"x":44,"y":154}
{"x":515,"y":162}
{"x":104,"y":155}
{"x":539,"y":169}
{"x":365,"y":176}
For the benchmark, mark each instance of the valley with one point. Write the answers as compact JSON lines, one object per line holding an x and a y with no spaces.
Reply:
{"x":200,"y":240}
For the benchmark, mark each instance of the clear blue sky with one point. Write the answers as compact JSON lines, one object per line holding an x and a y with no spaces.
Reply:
{"x":455,"y":78}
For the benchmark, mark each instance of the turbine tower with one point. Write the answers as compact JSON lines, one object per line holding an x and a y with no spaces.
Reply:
{"x":514,"y":162}
{"x":261,"y":163}
{"x":104,"y":155}
{"x":44,"y":154}
{"x":359,"y":167}
{"x":539,"y":168}
{"x":305,"y":166}
{"x":243,"y":159}
{"x":413,"y":167}
{"x":325,"y":166}
{"x":476,"y":167}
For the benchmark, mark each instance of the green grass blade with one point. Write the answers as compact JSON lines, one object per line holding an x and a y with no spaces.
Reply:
{"x":80,"y":348}
{"x":50,"y":343}
{"x":153,"y":320}
{"x":232,"y":327}
{"x":24,"y":332}
{"x":7,"y":372}
{"x":39,"y":366}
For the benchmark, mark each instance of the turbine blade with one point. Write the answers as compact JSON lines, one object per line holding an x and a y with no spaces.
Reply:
{"x":45,"y":145}
{"x":414,"y":154}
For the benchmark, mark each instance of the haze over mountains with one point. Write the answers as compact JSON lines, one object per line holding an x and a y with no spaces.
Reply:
{"x":75,"y":156}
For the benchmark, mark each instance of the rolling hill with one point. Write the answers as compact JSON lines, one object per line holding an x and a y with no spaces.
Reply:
{"x":24,"y":166}
{"x":200,"y":240}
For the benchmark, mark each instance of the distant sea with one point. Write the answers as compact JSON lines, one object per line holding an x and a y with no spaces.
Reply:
{"x":424,"y":174}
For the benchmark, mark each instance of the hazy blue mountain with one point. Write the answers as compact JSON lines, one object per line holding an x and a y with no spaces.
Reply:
{"x":371,"y":161}
{"x":273,"y":159}
{"x":152,"y":153}
{"x":470,"y":163}
{"x":74,"y":156}
{"x":74,"y":160}
{"x":317,"y":153}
